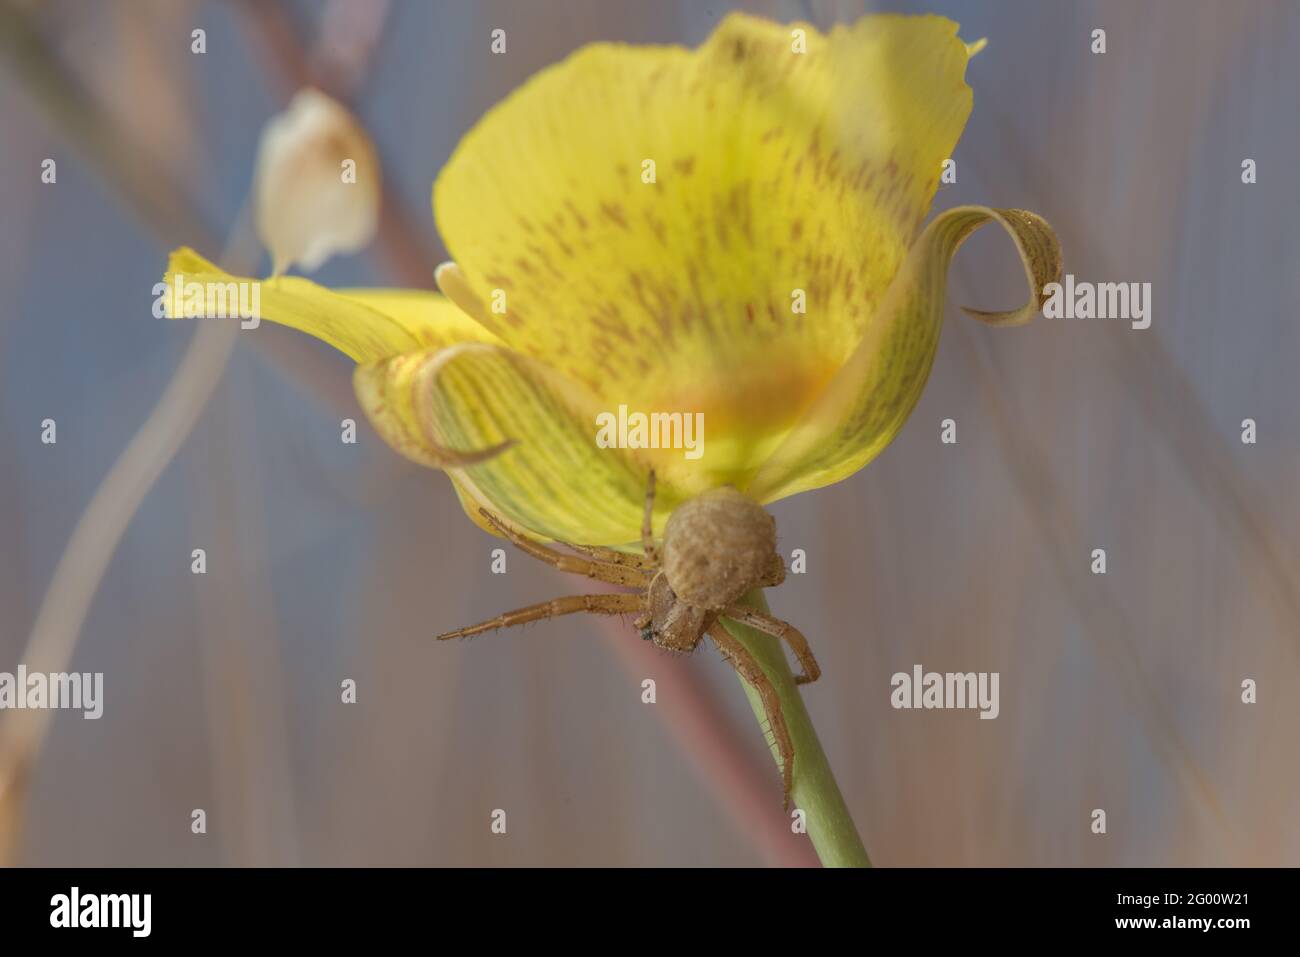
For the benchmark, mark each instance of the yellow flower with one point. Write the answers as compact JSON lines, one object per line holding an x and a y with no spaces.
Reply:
{"x":733,"y":230}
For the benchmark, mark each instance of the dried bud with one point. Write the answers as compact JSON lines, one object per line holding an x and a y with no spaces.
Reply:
{"x":717,"y":546}
{"x":317,"y":183}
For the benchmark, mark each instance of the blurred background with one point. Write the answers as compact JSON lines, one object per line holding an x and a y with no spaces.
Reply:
{"x":329,"y":561}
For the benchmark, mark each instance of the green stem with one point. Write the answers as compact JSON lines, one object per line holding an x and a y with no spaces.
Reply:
{"x":830,"y":826}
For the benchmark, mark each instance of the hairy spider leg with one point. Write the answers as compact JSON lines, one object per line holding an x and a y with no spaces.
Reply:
{"x":601,"y":571}
{"x":647,"y":522}
{"x":572,"y":604}
{"x":784,"y":631}
{"x":748,"y":668}
{"x":612,"y":557}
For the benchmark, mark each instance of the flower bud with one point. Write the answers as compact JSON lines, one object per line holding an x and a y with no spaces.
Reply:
{"x":317,"y":184}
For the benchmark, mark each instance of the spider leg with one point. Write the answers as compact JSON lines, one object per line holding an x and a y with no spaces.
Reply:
{"x":601,"y":571}
{"x":775,"y":574}
{"x":569,"y":605}
{"x":647,"y":524}
{"x":784,"y":631}
{"x":611,"y":557}
{"x":739,"y":658}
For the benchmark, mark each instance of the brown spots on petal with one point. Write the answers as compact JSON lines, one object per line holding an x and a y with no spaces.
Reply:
{"x":553,"y":231}
{"x":685,"y":166}
{"x":578,"y":218}
{"x":658,"y":228}
{"x":697,"y":294}
{"x":739,"y":209}
{"x":796,"y":229}
{"x":862,"y":176}
{"x":542,"y":255}
{"x":614,"y":329}
{"x":656,"y":302}
{"x":615,"y":214}
{"x":720,"y":231}
{"x":611,"y":311}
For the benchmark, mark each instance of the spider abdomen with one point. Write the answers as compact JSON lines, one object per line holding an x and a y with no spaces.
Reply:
{"x":716,"y":547}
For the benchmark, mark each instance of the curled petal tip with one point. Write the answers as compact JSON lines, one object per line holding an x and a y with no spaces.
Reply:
{"x":455,"y":458}
{"x":452,"y":283}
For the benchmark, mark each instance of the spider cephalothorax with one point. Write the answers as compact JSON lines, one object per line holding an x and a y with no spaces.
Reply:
{"x":716,"y":547}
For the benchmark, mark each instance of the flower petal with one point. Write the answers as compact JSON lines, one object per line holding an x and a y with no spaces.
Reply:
{"x":390,"y":392}
{"x":866,"y":404}
{"x":366,"y":325}
{"x":774,"y":171}
{"x":555,"y":482}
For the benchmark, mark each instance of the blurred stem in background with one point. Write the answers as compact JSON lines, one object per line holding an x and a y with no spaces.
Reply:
{"x":94,"y":540}
{"x":82,"y":565}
